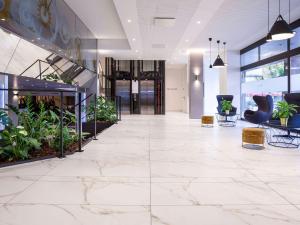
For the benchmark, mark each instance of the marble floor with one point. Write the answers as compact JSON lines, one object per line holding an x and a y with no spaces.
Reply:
{"x":157,"y":170}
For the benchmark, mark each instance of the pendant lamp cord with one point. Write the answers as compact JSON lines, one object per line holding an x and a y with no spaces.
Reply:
{"x":289,"y":11}
{"x":224,"y":43}
{"x":279,"y":7}
{"x":210,"y":40}
{"x":268,"y":15}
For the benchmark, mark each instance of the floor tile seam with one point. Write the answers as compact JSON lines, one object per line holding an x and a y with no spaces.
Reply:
{"x":150,"y":172}
{"x":147,"y":205}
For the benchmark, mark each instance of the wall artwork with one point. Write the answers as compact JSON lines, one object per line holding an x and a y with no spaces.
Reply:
{"x":53,"y":25}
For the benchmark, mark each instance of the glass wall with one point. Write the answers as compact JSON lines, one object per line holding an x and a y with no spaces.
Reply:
{"x":272,"y":48}
{"x":295,"y":41}
{"x":270,"y":79}
{"x":250,"y":57}
{"x":295,"y":73}
{"x":265,"y":69}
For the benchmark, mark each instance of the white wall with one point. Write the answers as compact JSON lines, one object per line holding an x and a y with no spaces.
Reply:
{"x":222,"y":81}
{"x":211,"y":87}
{"x":176,"y":88}
{"x":234,"y":77}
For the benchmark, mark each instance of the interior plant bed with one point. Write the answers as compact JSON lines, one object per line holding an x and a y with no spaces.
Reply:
{"x":88,"y":127}
{"x":45,"y":153}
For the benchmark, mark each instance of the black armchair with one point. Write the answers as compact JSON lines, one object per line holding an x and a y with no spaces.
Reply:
{"x":294,"y":98}
{"x":220,"y":98}
{"x":264,"y":112}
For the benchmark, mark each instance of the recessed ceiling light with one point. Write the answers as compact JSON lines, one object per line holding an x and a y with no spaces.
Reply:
{"x":59,"y":50}
{"x":129,"y":20}
{"x":186,"y":40}
{"x":136,"y":50}
{"x":133,"y":39}
{"x":3,"y":19}
{"x":38,"y":38}
{"x":198,"y":22}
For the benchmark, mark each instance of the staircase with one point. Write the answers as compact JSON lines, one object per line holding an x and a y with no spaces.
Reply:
{"x":57,"y":66}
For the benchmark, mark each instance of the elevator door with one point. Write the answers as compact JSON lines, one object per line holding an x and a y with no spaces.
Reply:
{"x":147,"y":97}
{"x":123,"y":90}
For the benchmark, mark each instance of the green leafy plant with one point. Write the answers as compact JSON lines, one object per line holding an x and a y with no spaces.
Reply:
{"x":105,"y":110}
{"x":15,"y":143}
{"x":56,"y":78}
{"x":4,"y":118}
{"x":226,"y":105}
{"x":35,"y":123}
{"x":52,"y":77}
{"x":284,"y":110}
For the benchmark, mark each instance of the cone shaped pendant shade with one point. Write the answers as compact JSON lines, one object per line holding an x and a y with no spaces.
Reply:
{"x":281,"y":30}
{"x":218,"y":62}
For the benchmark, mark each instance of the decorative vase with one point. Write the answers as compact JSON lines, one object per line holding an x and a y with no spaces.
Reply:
{"x":227,"y":112}
{"x":284,"y":121}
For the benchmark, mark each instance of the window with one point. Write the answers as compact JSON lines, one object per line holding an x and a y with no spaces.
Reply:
{"x":295,"y":73}
{"x":249,"y":57}
{"x":270,"y":79}
{"x":272,"y":70}
{"x":272,"y":48}
{"x":295,"y":41}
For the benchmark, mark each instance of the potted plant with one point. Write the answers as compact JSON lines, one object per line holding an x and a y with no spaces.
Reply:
{"x":283,"y":111}
{"x":226,"y":106}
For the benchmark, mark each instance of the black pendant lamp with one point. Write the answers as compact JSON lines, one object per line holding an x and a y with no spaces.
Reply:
{"x":281,"y":30}
{"x":269,"y":36}
{"x":210,"y":65}
{"x":218,"y":62}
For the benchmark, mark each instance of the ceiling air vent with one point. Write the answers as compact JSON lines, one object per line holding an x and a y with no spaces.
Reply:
{"x":164,"y":21}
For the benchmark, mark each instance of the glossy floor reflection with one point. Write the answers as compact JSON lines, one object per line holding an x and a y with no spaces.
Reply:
{"x":157,"y":170}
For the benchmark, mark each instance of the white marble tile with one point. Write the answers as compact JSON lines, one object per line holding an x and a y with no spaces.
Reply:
{"x":11,"y":186}
{"x":85,"y":191}
{"x":288,"y":189}
{"x":37,"y":168}
{"x":196,"y":169}
{"x":219,"y":215}
{"x":104,"y":167}
{"x":226,"y":193}
{"x":35,"y":214}
{"x":193,"y":175}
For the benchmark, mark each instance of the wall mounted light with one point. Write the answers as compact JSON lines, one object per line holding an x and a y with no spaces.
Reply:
{"x":196,"y":73}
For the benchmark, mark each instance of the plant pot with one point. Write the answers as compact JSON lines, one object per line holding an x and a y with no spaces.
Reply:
{"x":284,"y":121}
{"x":227,"y":112}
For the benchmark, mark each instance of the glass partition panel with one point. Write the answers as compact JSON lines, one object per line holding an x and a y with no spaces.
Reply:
{"x":272,"y":48}
{"x":249,"y":57}
{"x":295,"y":73}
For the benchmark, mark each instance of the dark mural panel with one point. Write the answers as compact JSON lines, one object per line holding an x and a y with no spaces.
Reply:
{"x":53,"y":24}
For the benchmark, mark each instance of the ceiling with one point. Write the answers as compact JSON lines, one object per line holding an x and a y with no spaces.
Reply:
{"x":128,"y":30}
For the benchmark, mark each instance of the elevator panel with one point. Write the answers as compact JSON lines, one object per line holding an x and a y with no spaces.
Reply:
{"x":123,"y":90}
{"x":147,"y":97}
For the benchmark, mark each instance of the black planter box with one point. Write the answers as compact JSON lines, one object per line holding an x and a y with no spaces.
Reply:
{"x":89,"y":127}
